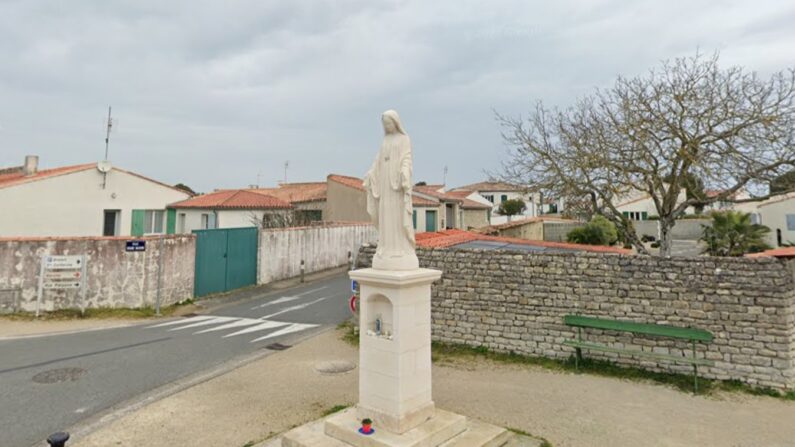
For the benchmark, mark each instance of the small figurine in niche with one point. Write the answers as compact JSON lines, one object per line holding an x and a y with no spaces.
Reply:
{"x":367,"y":427}
{"x":378,"y":325}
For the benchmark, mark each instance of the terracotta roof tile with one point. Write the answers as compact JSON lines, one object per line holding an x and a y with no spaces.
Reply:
{"x":491,"y":187}
{"x":233,"y":199}
{"x":422,"y":201}
{"x":353,"y":182}
{"x":433,"y":192}
{"x":450,"y":238}
{"x":14,"y":176}
{"x":296,"y":192}
{"x":783,"y":252}
{"x":518,"y":223}
{"x":468,"y":203}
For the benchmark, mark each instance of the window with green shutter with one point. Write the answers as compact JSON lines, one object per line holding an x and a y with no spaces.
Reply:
{"x":137,"y":227}
{"x":171,"y":221}
{"x":414,"y":218}
{"x":644,"y":216}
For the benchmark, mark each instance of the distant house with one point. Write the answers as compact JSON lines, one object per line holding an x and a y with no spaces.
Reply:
{"x":493,"y":193}
{"x":346,"y":200}
{"x":308,"y":199}
{"x":639,"y":205}
{"x":544,"y":228}
{"x":228,"y":209}
{"x":778,"y":214}
{"x":94,"y":199}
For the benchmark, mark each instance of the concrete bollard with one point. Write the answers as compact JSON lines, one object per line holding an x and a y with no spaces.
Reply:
{"x":58,"y":439}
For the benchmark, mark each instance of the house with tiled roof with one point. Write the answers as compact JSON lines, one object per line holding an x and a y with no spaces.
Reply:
{"x":232,"y":208}
{"x":434,"y":209}
{"x":308,"y":199}
{"x":494,"y":193}
{"x":92,"y":199}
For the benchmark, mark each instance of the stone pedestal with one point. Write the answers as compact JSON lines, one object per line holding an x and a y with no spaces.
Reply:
{"x":395,"y":374}
{"x":395,"y":358}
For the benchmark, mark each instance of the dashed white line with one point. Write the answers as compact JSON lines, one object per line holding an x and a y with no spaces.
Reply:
{"x":295,"y":327}
{"x":296,"y":307}
{"x":260,"y":327}
{"x":241,"y":322}
{"x":182,"y":321}
{"x":215,"y":320}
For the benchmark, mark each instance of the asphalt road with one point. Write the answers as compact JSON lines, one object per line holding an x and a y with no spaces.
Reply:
{"x":95,"y":372}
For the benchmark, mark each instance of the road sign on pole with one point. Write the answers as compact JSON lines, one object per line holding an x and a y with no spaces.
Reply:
{"x":352,"y":304}
{"x":60,"y":272}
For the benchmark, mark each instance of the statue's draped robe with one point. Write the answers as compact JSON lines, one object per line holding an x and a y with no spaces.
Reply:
{"x":388,"y":185}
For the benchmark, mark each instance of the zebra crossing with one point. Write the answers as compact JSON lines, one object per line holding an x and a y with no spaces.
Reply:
{"x":199,"y":325}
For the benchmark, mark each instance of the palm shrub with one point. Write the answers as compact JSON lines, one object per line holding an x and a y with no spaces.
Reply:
{"x":733,"y":233}
{"x":599,"y":231}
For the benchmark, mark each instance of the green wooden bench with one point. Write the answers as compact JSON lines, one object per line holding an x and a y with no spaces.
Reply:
{"x":658,"y":330}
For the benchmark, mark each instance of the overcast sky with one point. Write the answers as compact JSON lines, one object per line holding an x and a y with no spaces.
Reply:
{"x":217,"y":93}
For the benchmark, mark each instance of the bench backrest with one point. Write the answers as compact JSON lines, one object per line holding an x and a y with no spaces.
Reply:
{"x":661,"y":330}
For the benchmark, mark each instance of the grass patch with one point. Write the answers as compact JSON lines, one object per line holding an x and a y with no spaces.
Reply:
{"x":97,"y":313}
{"x":682,"y":382}
{"x":442,"y":352}
{"x":334,"y":409}
{"x":349,"y":333}
{"x":544,"y":442}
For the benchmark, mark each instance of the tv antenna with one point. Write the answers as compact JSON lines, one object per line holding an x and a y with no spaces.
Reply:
{"x":104,"y":165}
{"x":286,"y":165}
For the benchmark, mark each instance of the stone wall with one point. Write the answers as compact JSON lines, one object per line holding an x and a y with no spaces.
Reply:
{"x":115,"y":278}
{"x":516,"y":302}
{"x":685,"y":229}
{"x":557,"y":231}
{"x":320,"y":247}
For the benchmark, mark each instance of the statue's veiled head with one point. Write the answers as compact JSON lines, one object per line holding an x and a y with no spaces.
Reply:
{"x":391,"y":122}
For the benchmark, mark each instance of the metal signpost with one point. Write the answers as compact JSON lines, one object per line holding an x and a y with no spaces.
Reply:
{"x":62,"y":272}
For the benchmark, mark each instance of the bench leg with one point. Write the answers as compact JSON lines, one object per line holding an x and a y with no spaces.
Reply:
{"x":695,"y":370}
{"x":577,"y":358}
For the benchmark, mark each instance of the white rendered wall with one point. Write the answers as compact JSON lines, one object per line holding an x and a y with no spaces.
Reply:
{"x":73,"y":204}
{"x":774,"y":216}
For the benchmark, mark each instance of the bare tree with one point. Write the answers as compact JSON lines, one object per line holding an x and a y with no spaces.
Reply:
{"x":689,"y":118}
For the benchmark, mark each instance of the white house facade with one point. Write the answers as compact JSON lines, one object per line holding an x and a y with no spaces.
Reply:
{"x":83,"y":200}
{"x":227,"y":209}
{"x":778,"y":214}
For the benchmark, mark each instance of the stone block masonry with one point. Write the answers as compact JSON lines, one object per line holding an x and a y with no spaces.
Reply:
{"x":115,"y":277}
{"x":515,"y":302}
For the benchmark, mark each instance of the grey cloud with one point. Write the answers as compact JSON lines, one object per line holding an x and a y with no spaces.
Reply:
{"x":211,"y":93}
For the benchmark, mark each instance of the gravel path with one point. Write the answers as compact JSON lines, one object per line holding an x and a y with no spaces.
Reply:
{"x":283,"y":390}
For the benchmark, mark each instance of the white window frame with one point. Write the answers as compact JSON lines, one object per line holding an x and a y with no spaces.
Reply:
{"x":151,"y":223}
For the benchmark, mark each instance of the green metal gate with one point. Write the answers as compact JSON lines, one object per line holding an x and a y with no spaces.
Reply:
{"x":226,"y":259}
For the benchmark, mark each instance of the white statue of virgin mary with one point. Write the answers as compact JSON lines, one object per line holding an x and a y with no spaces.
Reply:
{"x":388,"y":185}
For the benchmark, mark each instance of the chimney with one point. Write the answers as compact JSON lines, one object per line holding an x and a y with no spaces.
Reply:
{"x":31,"y":165}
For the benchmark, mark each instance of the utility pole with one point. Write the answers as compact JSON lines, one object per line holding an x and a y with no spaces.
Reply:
{"x":107,"y":144}
{"x":444,"y":177}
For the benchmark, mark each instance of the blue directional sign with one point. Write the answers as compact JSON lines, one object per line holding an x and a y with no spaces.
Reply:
{"x":135,"y":246}
{"x":354,"y":286}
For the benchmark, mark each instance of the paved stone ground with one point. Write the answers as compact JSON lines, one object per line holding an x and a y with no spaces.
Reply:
{"x":283,"y":390}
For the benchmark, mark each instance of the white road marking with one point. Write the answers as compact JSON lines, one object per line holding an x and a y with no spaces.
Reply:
{"x":286,"y":299}
{"x":215,"y":320}
{"x":234,"y":324}
{"x":295,"y":327}
{"x":296,"y":307}
{"x":261,"y":327}
{"x":182,"y":321}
